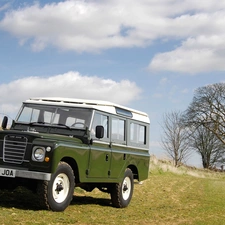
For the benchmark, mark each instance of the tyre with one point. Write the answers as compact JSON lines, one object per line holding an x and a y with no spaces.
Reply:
{"x":121,"y":193}
{"x":57,"y":193}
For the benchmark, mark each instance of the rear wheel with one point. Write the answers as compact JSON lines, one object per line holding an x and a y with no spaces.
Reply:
{"x":121,"y":193}
{"x":57,"y":193}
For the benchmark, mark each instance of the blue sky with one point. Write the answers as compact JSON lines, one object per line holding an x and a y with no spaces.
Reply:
{"x":149,"y":54}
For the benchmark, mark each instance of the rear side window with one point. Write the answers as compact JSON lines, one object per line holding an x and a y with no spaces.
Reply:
{"x":137,"y":133}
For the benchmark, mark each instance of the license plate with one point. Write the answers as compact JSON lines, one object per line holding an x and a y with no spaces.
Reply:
{"x":7,"y":172}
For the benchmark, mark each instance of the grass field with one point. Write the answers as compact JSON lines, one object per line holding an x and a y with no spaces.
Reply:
{"x":169,"y":196}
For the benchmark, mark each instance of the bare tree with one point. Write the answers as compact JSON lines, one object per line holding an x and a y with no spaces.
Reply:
{"x":174,"y":137}
{"x":208,"y":109}
{"x":210,"y":148}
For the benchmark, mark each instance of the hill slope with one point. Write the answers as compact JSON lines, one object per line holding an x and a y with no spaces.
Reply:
{"x":167,"y":166}
{"x":169,"y":196}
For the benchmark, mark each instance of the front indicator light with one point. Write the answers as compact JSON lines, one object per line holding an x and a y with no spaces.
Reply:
{"x":47,"y":159}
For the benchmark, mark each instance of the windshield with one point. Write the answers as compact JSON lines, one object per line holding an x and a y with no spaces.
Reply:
{"x":52,"y":115}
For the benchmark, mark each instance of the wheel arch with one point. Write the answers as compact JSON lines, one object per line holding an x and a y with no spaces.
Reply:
{"x":134,"y":170}
{"x":72,"y":162}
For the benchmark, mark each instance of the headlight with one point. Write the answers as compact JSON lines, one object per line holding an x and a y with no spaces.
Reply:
{"x":38,"y":154}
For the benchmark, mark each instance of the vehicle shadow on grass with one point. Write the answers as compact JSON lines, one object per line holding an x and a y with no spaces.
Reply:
{"x":20,"y":199}
{"x":25,"y":199}
{"x":88,"y":200}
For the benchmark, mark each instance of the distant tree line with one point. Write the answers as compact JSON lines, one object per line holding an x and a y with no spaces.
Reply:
{"x":200,"y":128}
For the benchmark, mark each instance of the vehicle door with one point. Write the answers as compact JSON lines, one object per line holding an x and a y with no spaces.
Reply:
{"x":118,"y":147}
{"x":100,"y":151}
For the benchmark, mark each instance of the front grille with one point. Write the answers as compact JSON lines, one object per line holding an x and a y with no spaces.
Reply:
{"x":14,"y":148}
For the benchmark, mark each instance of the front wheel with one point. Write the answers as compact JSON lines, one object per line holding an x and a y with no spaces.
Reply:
{"x":121,"y":193}
{"x":57,"y":193}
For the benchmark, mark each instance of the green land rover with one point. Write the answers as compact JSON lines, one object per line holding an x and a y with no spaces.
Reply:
{"x":57,"y":144}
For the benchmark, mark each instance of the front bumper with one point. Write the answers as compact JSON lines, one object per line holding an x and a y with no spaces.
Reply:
{"x":33,"y":175}
{"x":12,"y":173}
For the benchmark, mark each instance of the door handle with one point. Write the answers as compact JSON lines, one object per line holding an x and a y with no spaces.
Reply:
{"x":107,"y":157}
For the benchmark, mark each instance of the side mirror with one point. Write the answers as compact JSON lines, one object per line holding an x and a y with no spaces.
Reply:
{"x":99,"y":132}
{"x":4,"y":122}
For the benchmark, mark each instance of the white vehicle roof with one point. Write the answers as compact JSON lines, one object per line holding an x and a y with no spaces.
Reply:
{"x":103,"y":106}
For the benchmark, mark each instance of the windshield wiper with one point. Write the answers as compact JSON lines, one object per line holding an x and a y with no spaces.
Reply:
{"x":38,"y":122}
{"x":64,"y":125}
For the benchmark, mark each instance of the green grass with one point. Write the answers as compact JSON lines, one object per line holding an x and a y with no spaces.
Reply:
{"x":165,"y":198}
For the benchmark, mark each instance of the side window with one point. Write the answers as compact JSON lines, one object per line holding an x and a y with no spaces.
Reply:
{"x":118,"y":129}
{"x":137,"y":133}
{"x":103,"y":120}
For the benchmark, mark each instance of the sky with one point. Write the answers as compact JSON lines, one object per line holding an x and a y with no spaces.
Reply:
{"x":150,"y":55}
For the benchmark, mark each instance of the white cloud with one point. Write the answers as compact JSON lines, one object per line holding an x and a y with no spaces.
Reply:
{"x":196,"y":55}
{"x":71,"y":85}
{"x":74,"y":25}
{"x":4,"y":7}
{"x":93,"y":26}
